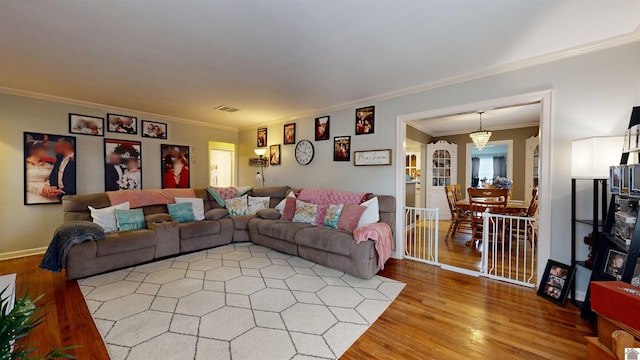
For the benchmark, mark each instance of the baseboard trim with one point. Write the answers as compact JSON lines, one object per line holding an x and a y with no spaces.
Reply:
{"x":22,"y":253}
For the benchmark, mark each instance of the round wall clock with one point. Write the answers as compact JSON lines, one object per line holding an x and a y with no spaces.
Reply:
{"x":304,"y":152}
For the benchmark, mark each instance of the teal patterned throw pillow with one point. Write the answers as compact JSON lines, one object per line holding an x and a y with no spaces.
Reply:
{"x":182,"y":212}
{"x":332,"y":215}
{"x":130,"y":219}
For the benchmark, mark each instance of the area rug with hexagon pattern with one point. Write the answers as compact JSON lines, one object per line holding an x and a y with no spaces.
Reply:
{"x":239,"y":301}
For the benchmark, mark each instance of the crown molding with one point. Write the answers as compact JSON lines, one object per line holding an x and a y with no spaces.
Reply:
{"x":621,"y":40}
{"x":418,"y":126}
{"x":149,"y":115}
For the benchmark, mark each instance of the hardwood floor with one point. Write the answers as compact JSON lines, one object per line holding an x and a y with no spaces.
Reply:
{"x":439,"y":315}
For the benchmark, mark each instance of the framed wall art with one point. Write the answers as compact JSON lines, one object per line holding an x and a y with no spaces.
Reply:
{"x":122,"y":124}
{"x":49,"y":168}
{"x":365,"y":120}
{"x":342,"y":148}
{"x":274,"y":154}
{"x":322,"y":128}
{"x":154,"y":129}
{"x":86,"y":125}
{"x":123,"y":165}
{"x":372,"y":157}
{"x":262,"y":137}
{"x":290,"y":134}
{"x":174,"y":162}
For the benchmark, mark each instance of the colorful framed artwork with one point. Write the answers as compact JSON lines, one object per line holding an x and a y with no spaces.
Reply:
{"x":49,"y":168}
{"x":123,"y":165}
{"x":556,"y":282}
{"x":614,"y":264}
{"x":174,"y":162}
{"x":262,"y":137}
{"x":274,"y":155}
{"x":154,"y":129}
{"x":342,"y":148}
{"x":322,"y":128}
{"x":365,"y":120}
{"x":86,"y":125}
{"x":122,"y":124}
{"x":290,"y":134}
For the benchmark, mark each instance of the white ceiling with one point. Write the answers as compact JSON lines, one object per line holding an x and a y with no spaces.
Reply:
{"x":493,"y":119}
{"x":280,"y":58}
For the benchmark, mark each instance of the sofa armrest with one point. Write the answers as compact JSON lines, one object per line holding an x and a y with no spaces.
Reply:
{"x":216,"y":214}
{"x":268,"y":214}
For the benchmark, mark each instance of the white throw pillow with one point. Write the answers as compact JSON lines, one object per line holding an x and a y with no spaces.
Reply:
{"x":257,"y":203}
{"x":372,"y":214}
{"x":280,"y":206}
{"x":106,"y":217}
{"x":196,"y":203}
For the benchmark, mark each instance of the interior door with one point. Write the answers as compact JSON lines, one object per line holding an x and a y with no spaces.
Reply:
{"x":441,"y":166}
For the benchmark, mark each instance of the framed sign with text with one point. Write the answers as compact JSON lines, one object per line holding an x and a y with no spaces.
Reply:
{"x":372,"y":157}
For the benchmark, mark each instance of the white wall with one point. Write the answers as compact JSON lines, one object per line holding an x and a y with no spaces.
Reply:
{"x":27,"y":227}
{"x":593,"y":95}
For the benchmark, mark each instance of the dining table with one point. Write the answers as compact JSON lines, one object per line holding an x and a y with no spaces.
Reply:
{"x":514,"y":207}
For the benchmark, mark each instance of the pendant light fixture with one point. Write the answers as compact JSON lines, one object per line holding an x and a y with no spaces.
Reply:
{"x":480,"y":137}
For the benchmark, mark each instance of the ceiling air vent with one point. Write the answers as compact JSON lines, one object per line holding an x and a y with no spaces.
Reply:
{"x":226,"y":108}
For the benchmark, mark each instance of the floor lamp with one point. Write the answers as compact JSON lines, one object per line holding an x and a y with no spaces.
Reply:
{"x":260,"y":152}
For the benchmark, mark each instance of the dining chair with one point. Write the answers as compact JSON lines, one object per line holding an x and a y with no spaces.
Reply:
{"x":481,"y":200}
{"x":458,"y":191}
{"x":459,"y":219}
{"x":527,"y":227}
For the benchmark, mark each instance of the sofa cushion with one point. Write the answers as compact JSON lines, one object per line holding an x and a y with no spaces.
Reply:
{"x":325,"y":239}
{"x":281,"y":229}
{"x":190,"y":230}
{"x":289,"y":208}
{"x":350,"y":216}
{"x":241,"y":222}
{"x":124,"y":241}
{"x":275,"y":193}
{"x":269,"y":214}
{"x":216,"y":214}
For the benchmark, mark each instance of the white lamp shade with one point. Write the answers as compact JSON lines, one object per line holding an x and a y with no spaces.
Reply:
{"x":591,"y":158}
{"x":260,"y":151}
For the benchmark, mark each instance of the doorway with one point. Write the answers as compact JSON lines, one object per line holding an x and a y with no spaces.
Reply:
{"x":541,"y":102}
{"x":221,"y":164}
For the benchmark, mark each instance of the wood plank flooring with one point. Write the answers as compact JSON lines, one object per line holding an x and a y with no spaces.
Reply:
{"x":439,"y":315}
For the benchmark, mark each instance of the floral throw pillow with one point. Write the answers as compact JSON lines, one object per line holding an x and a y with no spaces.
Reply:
{"x":332,"y":215}
{"x":305,"y":212}
{"x":237,"y":206}
{"x":257,"y":203}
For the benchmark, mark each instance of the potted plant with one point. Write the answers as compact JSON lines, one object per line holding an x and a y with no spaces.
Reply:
{"x":15,"y":326}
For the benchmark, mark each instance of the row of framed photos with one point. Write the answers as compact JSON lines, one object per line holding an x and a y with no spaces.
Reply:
{"x":364,"y":125}
{"x":341,"y":152}
{"x":50,"y":166}
{"x":115,"y":123}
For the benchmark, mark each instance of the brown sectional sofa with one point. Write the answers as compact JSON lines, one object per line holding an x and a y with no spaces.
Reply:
{"x":165,"y":237}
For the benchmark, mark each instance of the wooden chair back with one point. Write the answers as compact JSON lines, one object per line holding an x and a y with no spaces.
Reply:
{"x":495,"y":200}
{"x":533,"y":205}
{"x":458,"y":192}
{"x":450,"y":192}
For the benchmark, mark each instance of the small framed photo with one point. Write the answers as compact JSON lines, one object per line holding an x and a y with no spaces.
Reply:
{"x":154,"y":129}
{"x":365,"y":120}
{"x":615,"y":263}
{"x":290,"y":134}
{"x":342,"y":148}
{"x":123,"y":165}
{"x":86,"y":125}
{"x":262,"y":137}
{"x":556,"y":282}
{"x":49,"y":168}
{"x":122,"y":124}
{"x":615,"y":179}
{"x":322,"y":128}
{"x":274,"y":154}
{"x":175,"y":166}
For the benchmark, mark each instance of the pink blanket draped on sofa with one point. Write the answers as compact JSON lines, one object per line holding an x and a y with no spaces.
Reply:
{"x":141,"y":198}
{"x":381,"y":234}
{"x":325,"y":197}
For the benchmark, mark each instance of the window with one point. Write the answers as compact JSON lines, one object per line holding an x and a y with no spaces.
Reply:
{"x":221,"y":164}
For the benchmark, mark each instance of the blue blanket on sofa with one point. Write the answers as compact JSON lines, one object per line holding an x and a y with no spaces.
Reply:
{"x":67,"y":235}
